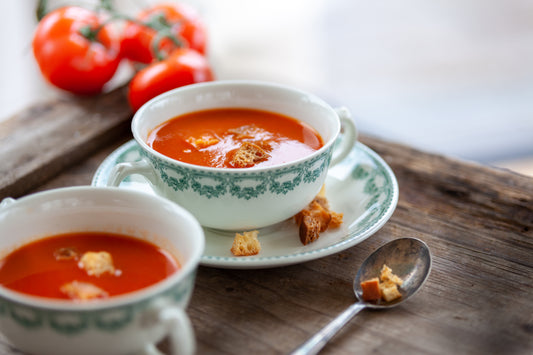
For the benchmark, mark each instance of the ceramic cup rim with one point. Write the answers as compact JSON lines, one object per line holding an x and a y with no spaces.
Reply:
{"x":119,"y":300}
{"x":138,"y":116}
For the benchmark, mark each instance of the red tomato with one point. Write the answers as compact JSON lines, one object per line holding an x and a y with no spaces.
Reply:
{"x":181,"y":21}
{"x":184,"y":66}
{"x":69,"y":57}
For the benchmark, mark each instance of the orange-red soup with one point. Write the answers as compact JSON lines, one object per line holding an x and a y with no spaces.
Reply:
{"x":44,"y":267}
{"x":213,"y":137}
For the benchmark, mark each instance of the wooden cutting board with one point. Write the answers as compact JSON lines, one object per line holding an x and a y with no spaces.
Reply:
{"x":46,"y":138}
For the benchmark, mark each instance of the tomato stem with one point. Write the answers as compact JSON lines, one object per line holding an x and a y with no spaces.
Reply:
{"x":107,"y":5}
{"x":92,"y":33}
{"x":42,"y":7}
{"x":159,"y":54}
{"x":89,"y":33}
{"x":158,"y":22}
{"x":41,"y":10}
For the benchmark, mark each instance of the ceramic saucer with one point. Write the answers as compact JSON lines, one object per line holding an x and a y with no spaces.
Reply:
{"x":362,"y":187}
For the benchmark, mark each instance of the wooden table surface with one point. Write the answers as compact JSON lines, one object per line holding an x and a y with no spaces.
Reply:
{"x":476,"y":220}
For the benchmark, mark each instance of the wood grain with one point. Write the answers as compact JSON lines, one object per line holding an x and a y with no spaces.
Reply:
{"x":478,"y":223}
{"x":44,"y":139}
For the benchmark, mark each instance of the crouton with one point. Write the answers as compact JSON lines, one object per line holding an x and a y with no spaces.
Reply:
{"x":371,"y":289}
{"x":67,"y":253}
{"x":309,"y":229}
{"x":318,"y":213}
{"x":82,"y":291}
{"x":246,"y":244}
{"x":97,"y":263}
{"x":316,"y":218}
{"x":248,"y":155}
{"x":387,"y":275}
{"x":389,"y":291}
{"x":387,"y":286}
{"x":250,"y":132}
{"x":321,"y":198}
{"x":202,"y":142}
{"x":336,"y":220}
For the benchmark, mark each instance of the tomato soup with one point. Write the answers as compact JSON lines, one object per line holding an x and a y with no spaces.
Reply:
{"x":84,"y":266}
{"x":234,"y":138}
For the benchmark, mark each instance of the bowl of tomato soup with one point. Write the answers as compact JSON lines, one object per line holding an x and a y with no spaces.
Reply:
{"x":88,"y":270}
{"x":238,"y":154}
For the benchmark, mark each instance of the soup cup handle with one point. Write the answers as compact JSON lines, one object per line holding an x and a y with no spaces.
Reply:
{"x":347,"y":138}
{"x":177,"y":326}
{"x":123,"y":170}
{"x":180,"y":330}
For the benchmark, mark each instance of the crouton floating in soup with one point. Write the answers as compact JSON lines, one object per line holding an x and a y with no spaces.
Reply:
{"x":85,"y":266}
{"x":234,"y":138}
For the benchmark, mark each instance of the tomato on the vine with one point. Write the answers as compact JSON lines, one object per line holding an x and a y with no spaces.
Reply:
{"x":75,"y":51}
{"x":177,"y":20}
{"x":183,"y":67}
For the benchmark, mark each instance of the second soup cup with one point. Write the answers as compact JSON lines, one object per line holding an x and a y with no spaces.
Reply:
{"x":123,"y":324}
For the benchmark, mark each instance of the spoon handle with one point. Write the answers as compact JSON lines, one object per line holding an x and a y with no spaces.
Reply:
{"x":317,"y":342}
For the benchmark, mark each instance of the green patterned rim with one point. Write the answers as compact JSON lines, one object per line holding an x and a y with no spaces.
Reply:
{"x":362,"y":187}
{"x":243,"y":185}
{"x":71,"y":322}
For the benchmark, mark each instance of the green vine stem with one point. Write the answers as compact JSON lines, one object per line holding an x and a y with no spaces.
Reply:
{"x":159,"y":54}
{"x":42,"y":7}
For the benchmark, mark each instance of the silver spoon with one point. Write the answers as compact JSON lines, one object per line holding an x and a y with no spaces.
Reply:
{"x":408,"y":258}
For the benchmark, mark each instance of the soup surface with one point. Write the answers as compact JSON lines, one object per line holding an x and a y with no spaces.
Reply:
{"x":234,"y":138}
{"x":85,"y":265}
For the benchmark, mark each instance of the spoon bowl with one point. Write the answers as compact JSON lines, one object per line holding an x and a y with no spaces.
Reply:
{"x":409,"y":258}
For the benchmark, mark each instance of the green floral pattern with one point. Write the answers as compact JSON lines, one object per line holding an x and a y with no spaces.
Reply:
{"x":72,"y":323}
{"x":377,"y":185}
{"x":243,"y":185}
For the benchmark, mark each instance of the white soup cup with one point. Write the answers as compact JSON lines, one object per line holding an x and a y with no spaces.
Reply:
{"x":123,"y":324}
{"x":243,"y":198}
